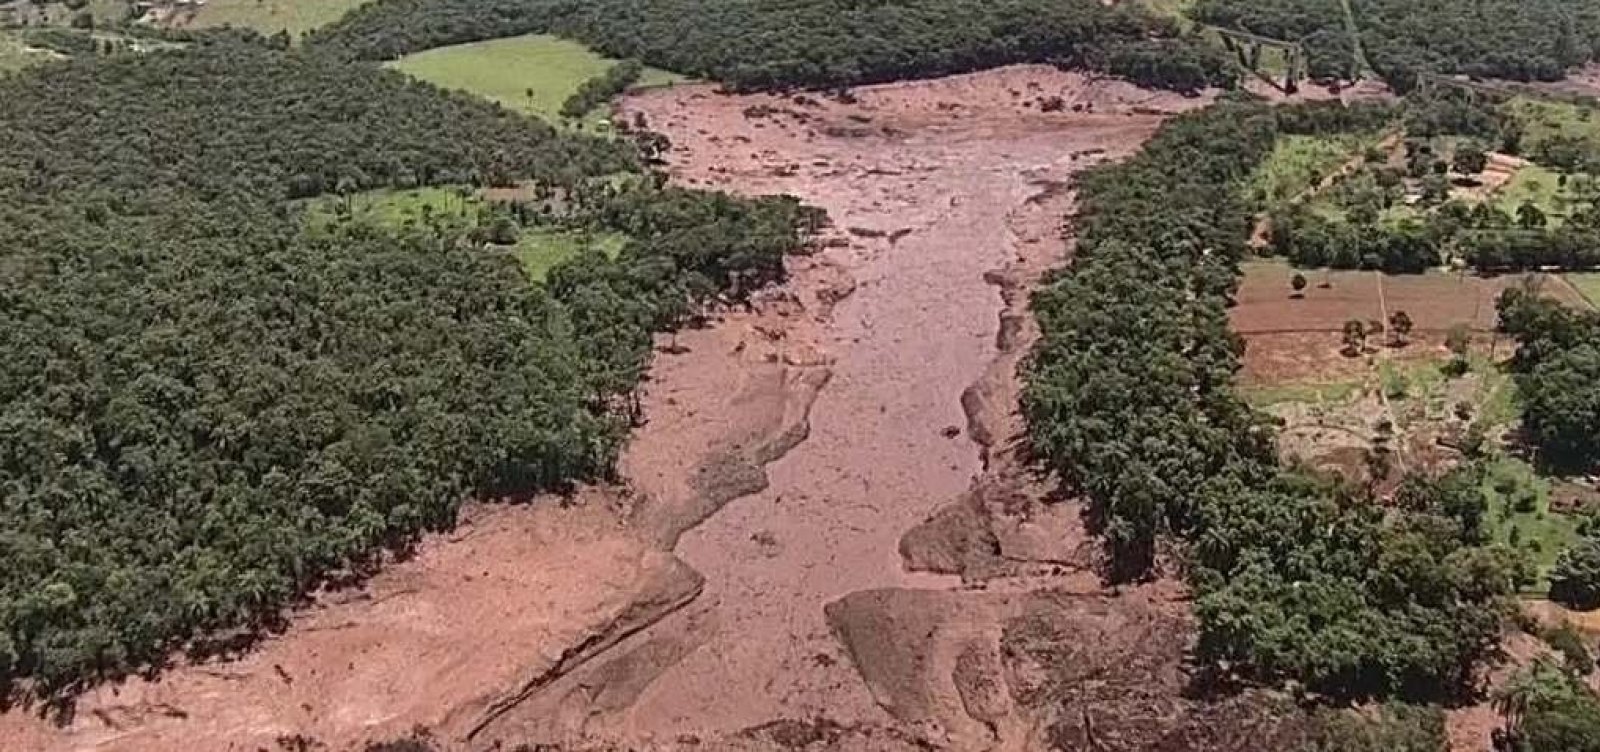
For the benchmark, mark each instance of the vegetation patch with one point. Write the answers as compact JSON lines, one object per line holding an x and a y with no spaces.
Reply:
{"x":534,"y":74}
{"x":1521,"y":515}
{"x":296,"y":17}
{"x":1587,"y":285}
{"x":16,"y":53}
{"x":537,"y":247}
{"x":1547,"y":124}
{"x":1298,"y":163}
{"x":1555,"y":194}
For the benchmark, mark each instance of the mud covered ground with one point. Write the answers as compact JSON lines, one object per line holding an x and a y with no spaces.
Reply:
{"x":825,"y":538}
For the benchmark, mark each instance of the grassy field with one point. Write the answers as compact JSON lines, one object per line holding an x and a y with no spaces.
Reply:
{"x":538,"y":249}
{"x":541,"y":248}
{"x":272,"y":16}
{"x":1298,"y":163}
{"x":1177,"y":10}
{"x":15,"y":55}
{"x":1541,"y":186}
{"x":530,"y":74}
{"x":1544,"y":119}
{"x":1519,"y":513}
{"x":1587,"y":284}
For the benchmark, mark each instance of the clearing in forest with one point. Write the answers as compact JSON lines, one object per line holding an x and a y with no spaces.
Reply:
{"x":15,"y":54}
{"x":531,"y":74}
{"x":538,"y":248}
{"x":270,"y":16}
{"x":1298,"y":164}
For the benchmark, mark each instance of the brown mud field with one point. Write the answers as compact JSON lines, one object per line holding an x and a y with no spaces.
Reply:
{"x":825,"y":537}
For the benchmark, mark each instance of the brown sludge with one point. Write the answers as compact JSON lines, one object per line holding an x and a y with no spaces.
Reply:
{"x":826,"y":539}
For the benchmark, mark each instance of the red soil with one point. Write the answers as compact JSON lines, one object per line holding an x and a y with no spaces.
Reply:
{"x":1291,"y":339}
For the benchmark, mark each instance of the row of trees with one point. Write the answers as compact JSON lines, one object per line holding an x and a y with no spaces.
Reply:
{"x":775,"y":44}
{"x":1311,"y":240}
{"x":208,"y":405}
{"x":602,"y":88}
{"x":1129,"y":397}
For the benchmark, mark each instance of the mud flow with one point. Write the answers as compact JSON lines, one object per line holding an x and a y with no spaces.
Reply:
{"x":825,"y":538}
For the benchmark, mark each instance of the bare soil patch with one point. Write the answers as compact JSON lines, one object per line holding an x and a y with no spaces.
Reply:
{"x":1293,"y":338}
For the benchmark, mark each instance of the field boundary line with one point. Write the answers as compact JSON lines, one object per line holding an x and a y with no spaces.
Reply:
{"x":1383,"y":356}
{"x":1339,"y":330}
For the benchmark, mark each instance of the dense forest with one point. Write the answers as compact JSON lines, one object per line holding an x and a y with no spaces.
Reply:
{"x":209,"y":405}
{"x":1129,"y":398}
{"x":1516,"y":39}
{"x":761,"y":44}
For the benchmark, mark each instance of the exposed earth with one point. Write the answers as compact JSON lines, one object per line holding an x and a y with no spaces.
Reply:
{"x":824,"y":536}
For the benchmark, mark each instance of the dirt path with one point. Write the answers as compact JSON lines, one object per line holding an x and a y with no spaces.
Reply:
{"x":825,"y":534}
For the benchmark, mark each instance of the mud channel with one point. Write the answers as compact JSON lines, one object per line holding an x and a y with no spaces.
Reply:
{"x":826,"y":538}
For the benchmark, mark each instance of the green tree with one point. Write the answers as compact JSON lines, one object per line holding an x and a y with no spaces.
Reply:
{"x":1469,"y":159}
{"x":1355,"y":338}
{"x":1459,"y":342}
{"x":1530,"y":216}
{"x":1575,"y":578}
{"x":1400,"y":326}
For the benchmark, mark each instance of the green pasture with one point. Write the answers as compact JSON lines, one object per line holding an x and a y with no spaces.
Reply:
{"x":1543,"y":119}
{"x":531,"y":74}
{"x":1544,"y":188}
{"x":538,"y":249}
{"x":16,"y":54}
{"x":1519,"y":513}
{"x":1297,"y":163}
{"x":272,"y":16}
{"x":1587,"y":284}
